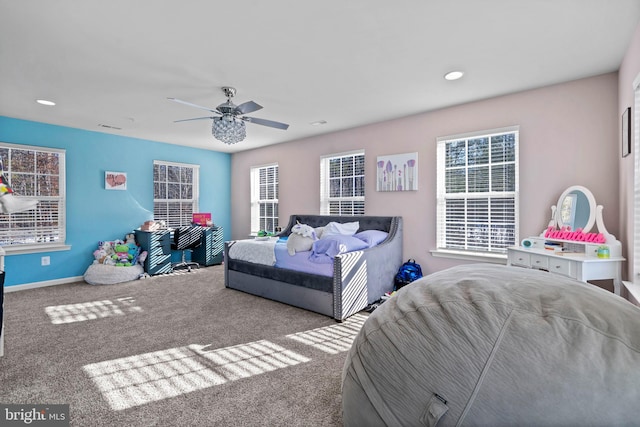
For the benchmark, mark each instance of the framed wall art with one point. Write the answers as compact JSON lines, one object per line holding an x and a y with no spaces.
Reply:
{"x":626,"y":132}
{"x":398,"y":172}
{"x":115,"y":180}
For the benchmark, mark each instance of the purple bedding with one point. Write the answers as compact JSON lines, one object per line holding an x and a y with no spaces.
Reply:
{"x":300,"y":261}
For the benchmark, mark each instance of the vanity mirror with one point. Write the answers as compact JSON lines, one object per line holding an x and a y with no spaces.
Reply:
{"x":577,"y":212}
{"x":576,"y":209}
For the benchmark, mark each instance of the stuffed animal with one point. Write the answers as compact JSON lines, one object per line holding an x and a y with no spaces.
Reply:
{"x":301,"y":238}
{"x":107,"y":247}
{"x":118,"y":252}
{"x":142,"y":257}
{"x":109,"y":261}
{"x":104,"y":251}
{"x":134,"y":251}
{"x":304,"y":230}
{"x":122,"y":256}
{"x":99,"y":256}
{"x":130,"y":239}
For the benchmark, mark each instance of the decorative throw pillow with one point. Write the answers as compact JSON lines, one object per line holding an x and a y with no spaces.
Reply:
{"x":372,"y":237}
{"x":344,"y":229}
{"x":324,"y":250}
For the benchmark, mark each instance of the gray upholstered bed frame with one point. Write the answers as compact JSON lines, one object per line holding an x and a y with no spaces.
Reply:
{"x":359,"y":278}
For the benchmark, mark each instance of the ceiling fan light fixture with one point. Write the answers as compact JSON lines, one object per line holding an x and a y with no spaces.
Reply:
{"x":228,"y":129}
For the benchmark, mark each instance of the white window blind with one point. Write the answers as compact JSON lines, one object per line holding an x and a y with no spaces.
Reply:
{"x":36,"y":173}
{"x":175,"y":192}
{"x":477,"y":191}
{"x":264,"y":198}
{"x":342,"y":184}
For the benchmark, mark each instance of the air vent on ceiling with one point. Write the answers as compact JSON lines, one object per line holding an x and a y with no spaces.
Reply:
{"x":109,"y":126}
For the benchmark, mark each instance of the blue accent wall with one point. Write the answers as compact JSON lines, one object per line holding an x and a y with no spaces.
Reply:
{"x":95,"y":214}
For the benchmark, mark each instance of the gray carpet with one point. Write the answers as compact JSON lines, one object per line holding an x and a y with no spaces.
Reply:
{"x":174,"y":350}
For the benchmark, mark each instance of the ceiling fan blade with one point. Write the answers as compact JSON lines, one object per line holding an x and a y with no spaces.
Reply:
{"x":192,"y":105}
{"x":248,"y":107}
{"x":264,"y":122}
{"x":195,"y":118}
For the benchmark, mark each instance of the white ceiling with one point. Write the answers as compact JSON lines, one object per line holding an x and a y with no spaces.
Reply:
{"x":115,"y":62}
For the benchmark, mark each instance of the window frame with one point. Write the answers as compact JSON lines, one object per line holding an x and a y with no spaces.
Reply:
{"x":325,"y":185}
{"x":257,"y":202}
{"x":633,"y":285}
{"x":495,"y":255}
{"x":195,"y":193}
{"x":59,"y":245}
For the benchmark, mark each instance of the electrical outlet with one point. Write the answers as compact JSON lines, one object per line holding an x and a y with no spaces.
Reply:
{"x":45,"y":260}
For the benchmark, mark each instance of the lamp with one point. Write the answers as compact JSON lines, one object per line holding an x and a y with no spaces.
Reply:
{"x":228,"y":129}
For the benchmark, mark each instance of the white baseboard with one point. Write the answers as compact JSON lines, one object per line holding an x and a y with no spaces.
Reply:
{"x":43,"y":284}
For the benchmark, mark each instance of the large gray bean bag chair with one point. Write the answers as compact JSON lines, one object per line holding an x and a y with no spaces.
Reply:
{"x":490,"y":345}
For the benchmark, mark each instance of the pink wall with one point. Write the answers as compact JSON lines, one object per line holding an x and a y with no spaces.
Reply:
{"x":629,"y":69}
{"x":568,"y":136}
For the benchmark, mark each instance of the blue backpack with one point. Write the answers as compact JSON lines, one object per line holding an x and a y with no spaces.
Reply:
{"x":408,"y":272}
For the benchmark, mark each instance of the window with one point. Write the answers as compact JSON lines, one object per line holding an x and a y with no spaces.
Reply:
{"x":37,"y":173}
{"x":635,"y":290}
{"x":175,"y":192}
{"x":342,"y":184}
{"x":477,"y":195}
{"x":264,"y":198}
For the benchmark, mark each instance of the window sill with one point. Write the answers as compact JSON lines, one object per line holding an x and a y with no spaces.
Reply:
{"x":633,"y":292}
{"x":470,"y":256}
{"x":34,"y":249}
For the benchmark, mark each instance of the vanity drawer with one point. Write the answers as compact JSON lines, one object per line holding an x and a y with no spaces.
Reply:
{"x":539,"y":261}
{"x":519,"y":258}
{"x":591,"y":250}
{"x":562,"y":266}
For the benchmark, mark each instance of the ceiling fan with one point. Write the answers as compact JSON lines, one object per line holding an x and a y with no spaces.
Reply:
{"x":228,"y":126}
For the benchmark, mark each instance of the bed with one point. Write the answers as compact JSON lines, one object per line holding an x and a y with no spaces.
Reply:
{"x":338,"y":289}
{"x":491,"y":345}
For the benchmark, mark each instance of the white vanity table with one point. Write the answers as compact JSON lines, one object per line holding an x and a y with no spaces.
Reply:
{"x":573,"y":256}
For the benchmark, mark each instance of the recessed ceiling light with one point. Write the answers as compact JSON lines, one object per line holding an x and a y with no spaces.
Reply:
{"x":454,"y":75}
{"x":45,"y":102}
{"x":318,"y":123}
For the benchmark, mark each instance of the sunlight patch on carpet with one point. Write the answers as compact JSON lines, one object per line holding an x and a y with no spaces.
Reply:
{"x":332,"y":339}
{"x":137,"y":380}
{"x":80,"y":312}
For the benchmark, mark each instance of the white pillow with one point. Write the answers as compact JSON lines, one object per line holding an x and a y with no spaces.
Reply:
{"x":342,"y":229}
